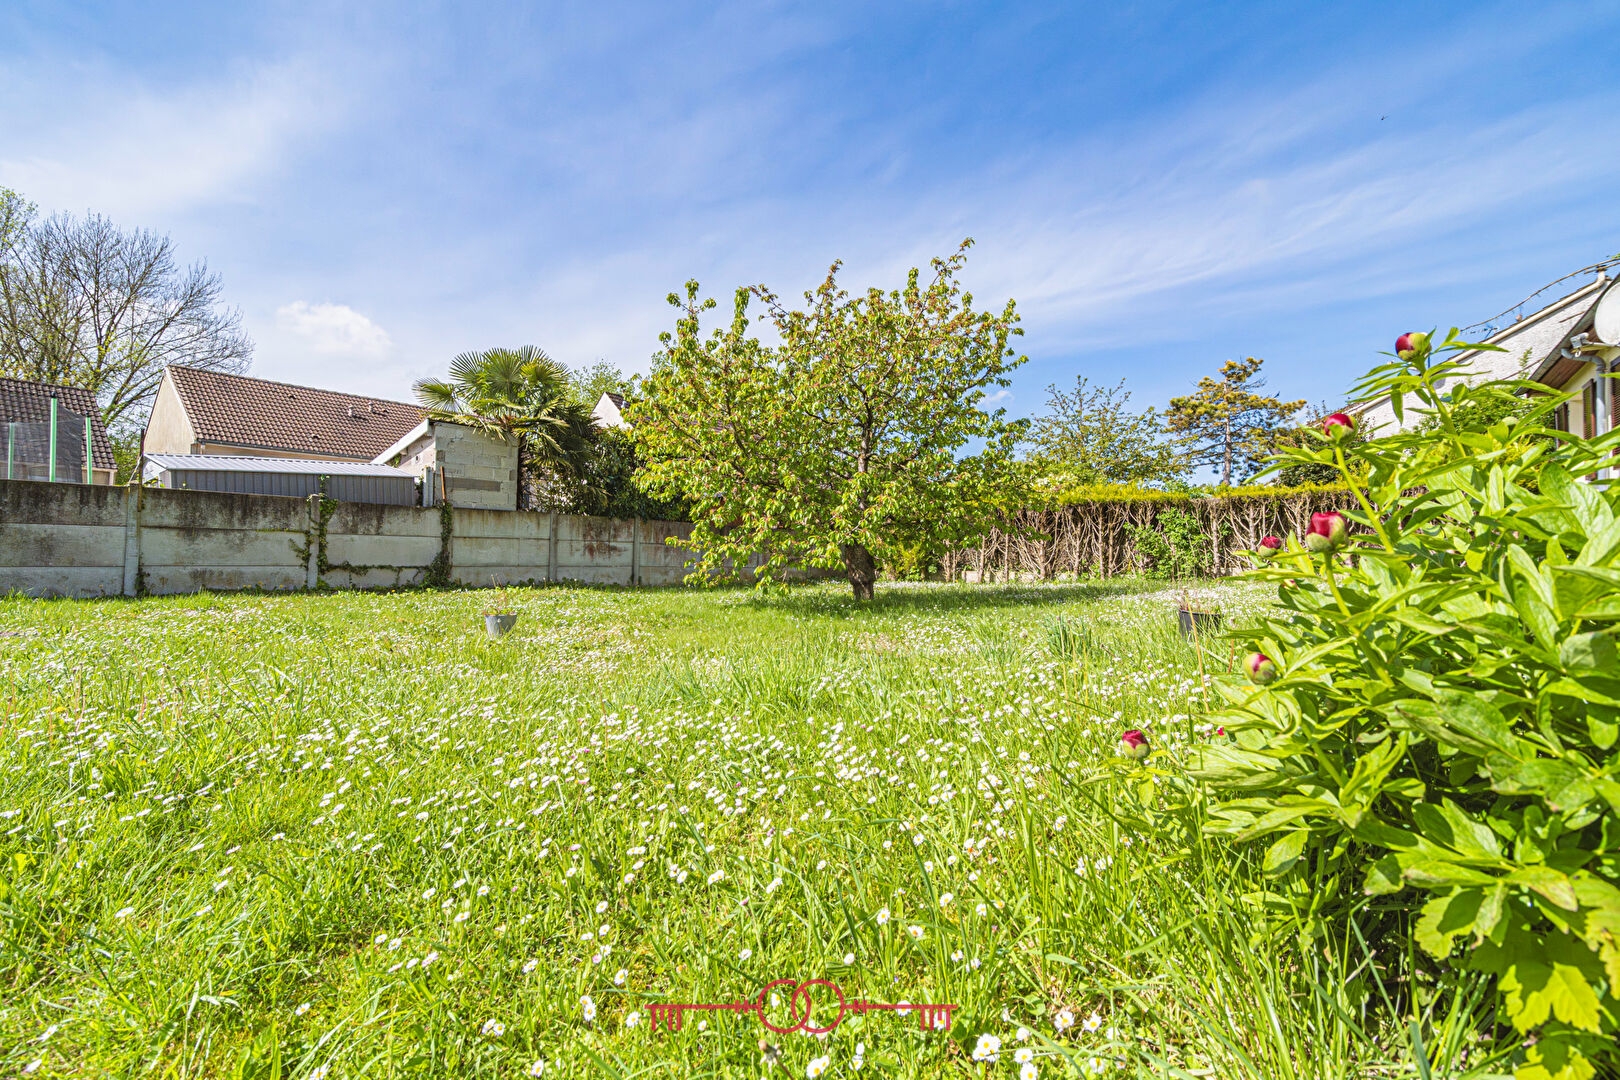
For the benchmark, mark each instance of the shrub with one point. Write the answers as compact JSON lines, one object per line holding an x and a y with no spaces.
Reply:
{"x":1174,"y":546}
{"x":1437,"y":757}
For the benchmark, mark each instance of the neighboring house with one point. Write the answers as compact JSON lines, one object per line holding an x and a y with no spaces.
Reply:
{"x":345,"y":481}
{"x":211,"y":412}
{"x":455,"y":462}
{"x":1566,"y":345}
{"x":609,"y":411}
{"x":28,"y":435}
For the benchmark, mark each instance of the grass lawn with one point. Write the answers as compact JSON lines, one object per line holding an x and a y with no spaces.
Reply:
{"x":344,"y":835}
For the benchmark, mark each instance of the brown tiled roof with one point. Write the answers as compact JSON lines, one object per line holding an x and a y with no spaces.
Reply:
{"x":30,"y":402}
{"x":234,"y":410}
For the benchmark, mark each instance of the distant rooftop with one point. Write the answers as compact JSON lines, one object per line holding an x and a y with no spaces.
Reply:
{"x":244,"y":463}
{"x":235,"y":410}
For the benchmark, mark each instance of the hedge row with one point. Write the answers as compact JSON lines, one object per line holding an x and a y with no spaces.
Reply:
{"x":1088,"y":537}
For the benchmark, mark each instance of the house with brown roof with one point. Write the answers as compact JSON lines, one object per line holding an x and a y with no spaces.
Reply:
{"x":212,"y":412}
{"x":51,"y":432}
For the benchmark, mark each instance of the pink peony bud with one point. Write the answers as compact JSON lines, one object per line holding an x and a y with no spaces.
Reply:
{"x":1407,"y":344}
{"x":1327,"y":532}
{"x":1269,"y":547}
{"x":1134,"y":744}
{"x":1262,"y":670}
{"x":1337,"y":425}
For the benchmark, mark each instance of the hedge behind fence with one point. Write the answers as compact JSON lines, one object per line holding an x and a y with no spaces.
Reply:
{"x":1088,"y":536}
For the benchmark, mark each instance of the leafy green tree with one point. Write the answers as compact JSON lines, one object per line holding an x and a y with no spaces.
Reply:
{"x":524,"y":396}
{"x":843,"y":444}
{"x":1231,"y":425}
{"x":1091,"y":436}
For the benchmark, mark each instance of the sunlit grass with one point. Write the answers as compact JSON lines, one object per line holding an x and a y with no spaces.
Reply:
{"x":274,"y":835}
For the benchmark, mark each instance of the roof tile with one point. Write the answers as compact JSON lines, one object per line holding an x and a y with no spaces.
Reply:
{"x":235,"y":410}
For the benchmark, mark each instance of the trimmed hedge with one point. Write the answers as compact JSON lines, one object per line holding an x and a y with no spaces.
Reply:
{"x":1085,"y":535}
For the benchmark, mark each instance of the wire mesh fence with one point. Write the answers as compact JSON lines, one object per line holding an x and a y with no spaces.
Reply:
{"x":57,"y":450}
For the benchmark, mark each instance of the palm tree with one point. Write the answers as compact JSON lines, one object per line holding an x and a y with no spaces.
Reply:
{"x":517,"y":394}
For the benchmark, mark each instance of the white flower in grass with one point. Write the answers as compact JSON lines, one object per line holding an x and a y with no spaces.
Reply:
{"x":632,"y":1020}
{"x":529,"y":967}
{"x":302,"y":1009}
{"x":915,"y":931}
{"x":745,"y":954}
{"x":538,"y":1068}
{"x":620,"y":976}
{"x":379,"y":939}
{"x":483,"y":890}
{"x":123,"y":913}
{"x":1063,"y":1021}
{"x":587,"y":1009}
{"x":428,"y":895}
{"x":394,"y":943}
{"x":319,"y":1072}
{"x":716,"y":876}
{"x":1023,"y":1034}
{"x":1023,"y":1054}
{"x":979,"y":910}
{"x":882,"y":916}
{"x":988,"y":1048}
{"x":1093,"y":1022}
{"x":33,"y":1066}
{"x":1028,"y":1071}
{"x":817,"y":1066}
{"x":429,"y":958}
{"x":492,"y":1029}
{"x":776,"y":883}
{"x":601,"y":906}
{"x":461,"y":916}
{"x":849,"y":958}
{"x":956,"y":956}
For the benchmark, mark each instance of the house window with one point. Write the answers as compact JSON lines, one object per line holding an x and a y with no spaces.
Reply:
{"x":1589,"y":416}
{"x":1560,"y":417}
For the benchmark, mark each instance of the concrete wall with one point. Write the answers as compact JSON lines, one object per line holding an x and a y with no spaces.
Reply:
{"x":74,"y":540}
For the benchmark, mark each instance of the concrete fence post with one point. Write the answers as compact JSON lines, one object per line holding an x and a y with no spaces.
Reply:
{"x":551,"y":548}
{"x":635,"y":551}
{"x":132,"y":539}
{"x":312,"y":564}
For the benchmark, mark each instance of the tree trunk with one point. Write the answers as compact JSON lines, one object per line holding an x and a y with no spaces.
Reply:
{"x":858,"y":566}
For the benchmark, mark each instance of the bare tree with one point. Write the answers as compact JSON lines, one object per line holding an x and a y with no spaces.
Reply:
{"x":85,"y":303}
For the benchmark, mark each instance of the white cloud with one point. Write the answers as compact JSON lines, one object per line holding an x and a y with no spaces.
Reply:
{"x":333,"y":329}
{"x":84,"y":136}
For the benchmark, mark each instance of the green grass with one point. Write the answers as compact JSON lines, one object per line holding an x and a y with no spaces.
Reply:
{"x":274,"y":835}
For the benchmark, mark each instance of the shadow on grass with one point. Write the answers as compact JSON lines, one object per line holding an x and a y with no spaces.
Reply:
{"x":901,"y":598}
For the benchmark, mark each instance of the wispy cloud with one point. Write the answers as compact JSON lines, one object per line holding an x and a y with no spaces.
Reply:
{"x":82,"y":135}
{"x":333,"y":330}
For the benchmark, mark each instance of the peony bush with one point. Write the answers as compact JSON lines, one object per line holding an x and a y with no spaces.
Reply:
{"x":1424,"y":740}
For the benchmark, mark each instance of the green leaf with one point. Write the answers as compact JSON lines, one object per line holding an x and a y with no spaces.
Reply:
{"x":1554,"y":984}
{"x":1384,"y":877}
{"x":1446,"y":917}
{"x":1556,"y":887}
{"x":1563,"y":786}
{"x":1462,"y":721}
{"x":1282,"y":855}
{"x":1592,"y":652}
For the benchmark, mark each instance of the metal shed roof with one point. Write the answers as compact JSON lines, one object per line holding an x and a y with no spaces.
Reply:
{"x":244,"y":463}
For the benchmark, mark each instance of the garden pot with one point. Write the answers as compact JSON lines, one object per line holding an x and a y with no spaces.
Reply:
{"x":1198,"y":622}
{"x":497,"y":625}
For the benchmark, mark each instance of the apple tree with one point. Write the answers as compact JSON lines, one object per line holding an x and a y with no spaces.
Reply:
{"x":845,"y":442}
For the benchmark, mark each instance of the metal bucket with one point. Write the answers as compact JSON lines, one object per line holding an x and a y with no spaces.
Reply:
{"x":497,"y":625}
{"x":1199,"y":623}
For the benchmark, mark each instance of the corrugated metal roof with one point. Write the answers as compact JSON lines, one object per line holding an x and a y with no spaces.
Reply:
{"x":245,"y":463}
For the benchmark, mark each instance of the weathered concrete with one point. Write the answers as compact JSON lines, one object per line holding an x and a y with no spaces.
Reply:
{"x":74,"y":540}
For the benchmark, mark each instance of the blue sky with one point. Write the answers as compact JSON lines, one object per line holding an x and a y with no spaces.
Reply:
{"x":1161,"y":187}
